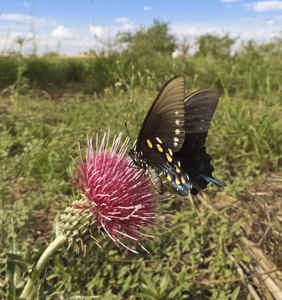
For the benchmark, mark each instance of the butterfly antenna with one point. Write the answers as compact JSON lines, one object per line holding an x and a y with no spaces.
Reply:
{"x":125,"y":124}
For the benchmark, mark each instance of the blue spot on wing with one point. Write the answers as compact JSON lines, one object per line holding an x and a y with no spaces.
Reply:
{"x":217,"y":182}
{"x":182,"y":188}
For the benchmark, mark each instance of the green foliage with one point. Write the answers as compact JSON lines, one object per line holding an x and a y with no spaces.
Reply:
{"x":148,"y":42}
{"x":44,"y":73}
{"x":249,"y":133}
{"x":75,"y":70}
{"x":51,"y":54}
{"x":194,"y":264}
{"x":8,"y":71}
{"x":251,"y":71}
{"x":217,"y":47}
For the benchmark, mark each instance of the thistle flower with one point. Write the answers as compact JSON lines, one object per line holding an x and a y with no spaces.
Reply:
{"x":119,"y":200}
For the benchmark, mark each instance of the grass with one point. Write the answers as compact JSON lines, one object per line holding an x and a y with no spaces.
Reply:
{"x":40,"y":129}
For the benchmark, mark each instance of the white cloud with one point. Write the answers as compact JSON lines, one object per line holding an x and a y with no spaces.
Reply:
{"x":19,"y":18}
{"x":270,"y":22}
{"x":16,"y":18}
{"x":126,"y":25}
{"x":146,"y":7}
{"x":129,"y":26}
{"x":265,"y":6}
{"x":121,"y":20}
{"x":97,"y":30}
{"x":16,"y":34}
{"x":193,"y":31}
{"x":230,"y":0}
{"x":63,"y":33}
{"x":275,"y":35}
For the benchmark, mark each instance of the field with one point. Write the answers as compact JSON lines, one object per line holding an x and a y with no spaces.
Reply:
{"x":50,"y":104}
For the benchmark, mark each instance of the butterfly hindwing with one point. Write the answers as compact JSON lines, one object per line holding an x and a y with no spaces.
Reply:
{"x":195,"y":161}
{"x":199,"y":110}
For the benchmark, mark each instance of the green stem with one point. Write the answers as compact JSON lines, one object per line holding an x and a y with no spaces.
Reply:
{"x":40,"y":265}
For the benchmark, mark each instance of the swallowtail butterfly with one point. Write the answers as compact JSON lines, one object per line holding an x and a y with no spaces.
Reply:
{"x":172,"y":138}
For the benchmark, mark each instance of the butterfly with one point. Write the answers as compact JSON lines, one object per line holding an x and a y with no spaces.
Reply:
{"x":172,"y":138}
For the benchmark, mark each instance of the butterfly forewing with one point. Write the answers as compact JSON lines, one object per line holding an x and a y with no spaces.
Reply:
{"x":165,"y":119}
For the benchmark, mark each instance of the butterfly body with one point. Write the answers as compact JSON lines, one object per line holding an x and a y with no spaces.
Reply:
{"x":172,"y":138}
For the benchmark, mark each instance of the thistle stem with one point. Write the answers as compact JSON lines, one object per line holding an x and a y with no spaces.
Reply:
{"x":28,"y":289}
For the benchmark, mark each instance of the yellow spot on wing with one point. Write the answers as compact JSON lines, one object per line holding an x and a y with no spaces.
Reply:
{"x":160,"y":148}
{"x":177,"y":169}
{"x":177,"y":181}
{"x":168,"y":177}
{"x":159,"y":140}
{"x":149,"y":144}
{"x":183,"y":179}
{"x":170,"y":152}
{"x":168,"y":157}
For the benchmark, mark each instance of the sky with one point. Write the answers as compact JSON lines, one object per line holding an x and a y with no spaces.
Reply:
{"x":72,"y":27}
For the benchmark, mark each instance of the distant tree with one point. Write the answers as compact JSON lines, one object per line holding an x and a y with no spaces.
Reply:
{"x":155,"y":40}
{"x":184,"y":46}
{"x":273,"y":48}
{"x":250,"y":50}
{"x":215,"y":46}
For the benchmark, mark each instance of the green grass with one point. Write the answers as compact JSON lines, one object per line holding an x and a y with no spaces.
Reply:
{"x":39,"y":131}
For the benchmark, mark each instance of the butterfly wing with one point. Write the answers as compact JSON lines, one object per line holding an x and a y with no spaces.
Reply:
{"x":195,"y":161}
{"x":165,"y":119}
{"x":199,"y":110}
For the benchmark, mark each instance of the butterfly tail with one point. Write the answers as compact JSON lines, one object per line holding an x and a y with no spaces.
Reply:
{"x":216,"y":181}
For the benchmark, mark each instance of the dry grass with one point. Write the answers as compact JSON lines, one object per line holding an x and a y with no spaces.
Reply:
{"x":260,"y":210}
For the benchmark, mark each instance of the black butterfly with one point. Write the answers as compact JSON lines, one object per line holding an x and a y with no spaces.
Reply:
{"x":172,"y":138}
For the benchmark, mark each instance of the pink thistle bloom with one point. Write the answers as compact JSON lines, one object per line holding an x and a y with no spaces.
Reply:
{"x":121,"y":202}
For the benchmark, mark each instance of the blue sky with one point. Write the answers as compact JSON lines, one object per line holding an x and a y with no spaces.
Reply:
{"x":70,"y":26}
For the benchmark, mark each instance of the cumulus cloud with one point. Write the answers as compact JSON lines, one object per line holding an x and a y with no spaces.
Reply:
{"x":146,"y":7}
{"x":262,"y":6}
{"x":63,"y":33}
{"x":97,"y":30}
